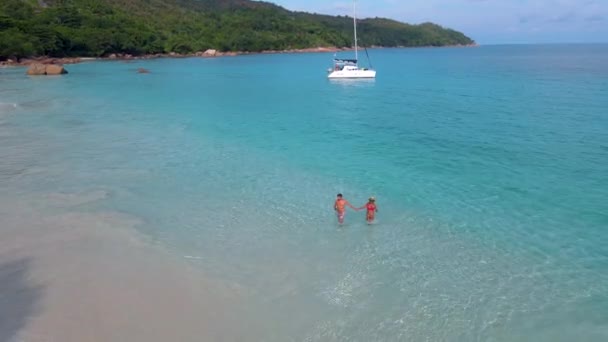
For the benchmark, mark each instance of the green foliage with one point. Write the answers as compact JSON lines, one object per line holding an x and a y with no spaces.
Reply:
{"x":14,"y":43}
{"x":61,"y":28}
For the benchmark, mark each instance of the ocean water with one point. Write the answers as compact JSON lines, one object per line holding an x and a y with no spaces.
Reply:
{"x":489,"y":165}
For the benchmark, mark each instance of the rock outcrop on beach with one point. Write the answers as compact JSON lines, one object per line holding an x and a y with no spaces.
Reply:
{"x":48,"y":60}
{"x":55,"y":69}
{"x":210,"y":52}
{"x":37,"y":69}
{"x":46,"y":69}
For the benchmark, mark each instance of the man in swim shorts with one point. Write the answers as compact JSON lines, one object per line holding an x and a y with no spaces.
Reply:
{"x":340,"y":207}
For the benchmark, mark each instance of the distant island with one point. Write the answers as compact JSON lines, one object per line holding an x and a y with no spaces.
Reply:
{"x":101,"y":28}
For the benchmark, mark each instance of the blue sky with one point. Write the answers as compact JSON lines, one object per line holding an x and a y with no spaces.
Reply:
{"x":486,"y":21}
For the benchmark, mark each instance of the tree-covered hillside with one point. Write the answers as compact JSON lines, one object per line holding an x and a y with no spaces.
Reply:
{"x":63,"y":28}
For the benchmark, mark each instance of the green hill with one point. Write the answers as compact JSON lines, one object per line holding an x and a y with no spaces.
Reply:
{"x":92,"y":28}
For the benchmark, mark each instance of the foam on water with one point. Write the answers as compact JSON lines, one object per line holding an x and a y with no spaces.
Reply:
{"x":7,"y":107}
{"x":489,"y":173}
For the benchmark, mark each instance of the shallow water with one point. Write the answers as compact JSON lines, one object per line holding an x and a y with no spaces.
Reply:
{"x":490,"y":166}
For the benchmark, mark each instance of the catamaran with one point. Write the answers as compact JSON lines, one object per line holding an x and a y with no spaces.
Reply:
{"x":349,"y":68}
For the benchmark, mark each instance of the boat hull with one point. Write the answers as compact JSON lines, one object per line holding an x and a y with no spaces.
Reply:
{"x":352,"y":74}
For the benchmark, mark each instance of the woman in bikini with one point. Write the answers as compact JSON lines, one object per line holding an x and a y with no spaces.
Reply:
{"x":372,"y":209}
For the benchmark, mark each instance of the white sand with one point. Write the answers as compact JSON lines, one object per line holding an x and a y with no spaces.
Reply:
{"x":68,"y":276}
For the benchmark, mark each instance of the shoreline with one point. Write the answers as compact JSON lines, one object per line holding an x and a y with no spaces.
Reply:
{"x":210,"y":53}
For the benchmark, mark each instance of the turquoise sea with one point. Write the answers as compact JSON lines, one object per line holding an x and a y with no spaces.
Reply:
{"x":489,"y":165}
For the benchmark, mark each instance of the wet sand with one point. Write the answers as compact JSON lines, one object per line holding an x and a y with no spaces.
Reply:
{"x":69,"y":275}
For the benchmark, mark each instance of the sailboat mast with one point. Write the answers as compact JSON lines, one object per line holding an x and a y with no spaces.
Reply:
{"x":355,"y":26}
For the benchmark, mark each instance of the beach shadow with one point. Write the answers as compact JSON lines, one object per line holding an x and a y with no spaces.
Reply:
{"x":18,"y":299}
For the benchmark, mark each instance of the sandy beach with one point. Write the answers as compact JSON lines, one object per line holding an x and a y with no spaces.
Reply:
{"x":76,"y":276}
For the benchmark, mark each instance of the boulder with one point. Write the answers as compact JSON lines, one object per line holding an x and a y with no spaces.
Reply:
{"x":55,"y":69}
{"x":50,"y":69}
{"x":210,"y":52}
{"x":112,"y":56}
{"x":37,"y":69}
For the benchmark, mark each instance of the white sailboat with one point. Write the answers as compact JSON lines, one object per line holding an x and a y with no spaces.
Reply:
{"x":349,"y":68}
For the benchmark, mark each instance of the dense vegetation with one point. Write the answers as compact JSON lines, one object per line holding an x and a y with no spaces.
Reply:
{"x":63,"y":28}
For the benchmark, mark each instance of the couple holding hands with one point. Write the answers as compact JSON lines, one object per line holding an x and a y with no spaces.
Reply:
{"x":340,"y":208}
